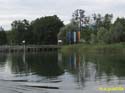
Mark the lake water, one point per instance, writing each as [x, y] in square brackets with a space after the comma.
[54, 72]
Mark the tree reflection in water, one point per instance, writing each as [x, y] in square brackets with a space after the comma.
[42, 64]
[95, 67]
[84, 69]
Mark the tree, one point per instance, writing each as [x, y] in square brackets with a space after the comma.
[117, 33]
[79, 17]
[98, 20]
[71, 27]
[45, 29]
[11, 37]
[101, 35]
[93, 39]
[122, 22]
[107, 21]
[22, 31]
[3, 37]
[86, 34]
[102, 21]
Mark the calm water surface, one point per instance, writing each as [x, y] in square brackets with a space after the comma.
[70, 73]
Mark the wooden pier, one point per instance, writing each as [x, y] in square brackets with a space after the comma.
[29, 48]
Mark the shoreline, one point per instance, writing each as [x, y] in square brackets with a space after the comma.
[94, 48]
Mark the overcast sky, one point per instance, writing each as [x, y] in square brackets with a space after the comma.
[11, 10]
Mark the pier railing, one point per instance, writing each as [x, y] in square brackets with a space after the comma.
[28, 48]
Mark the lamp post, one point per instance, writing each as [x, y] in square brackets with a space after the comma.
[24, 59]
[24, 44]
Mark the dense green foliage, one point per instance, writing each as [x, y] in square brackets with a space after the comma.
[70, 27]
[47, 30]
[43, 30]
[21, 31]
[3, 37]
[102, 30]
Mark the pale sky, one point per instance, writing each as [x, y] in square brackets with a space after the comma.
[11, 10]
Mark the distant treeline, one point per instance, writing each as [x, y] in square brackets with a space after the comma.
[46, 30]
[95, 28]
[43, 30]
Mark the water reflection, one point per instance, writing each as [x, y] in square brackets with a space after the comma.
[96, 68]
[30, 67]
[82, 70]
[2, 59]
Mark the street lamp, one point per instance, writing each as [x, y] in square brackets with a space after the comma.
[24, 59]
[24, 44]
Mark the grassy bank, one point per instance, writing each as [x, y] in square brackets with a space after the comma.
[119, 47]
